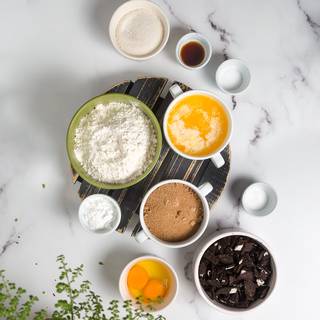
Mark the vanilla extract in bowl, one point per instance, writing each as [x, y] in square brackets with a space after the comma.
[192, 53]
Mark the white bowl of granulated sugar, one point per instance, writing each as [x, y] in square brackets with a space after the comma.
[139, 29]
[99, 213]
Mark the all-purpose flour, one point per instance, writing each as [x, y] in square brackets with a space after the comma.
[115, 143]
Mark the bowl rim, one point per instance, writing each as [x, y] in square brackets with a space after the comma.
[164, 19]
[124, 273]
[88, 106]
[212, 239]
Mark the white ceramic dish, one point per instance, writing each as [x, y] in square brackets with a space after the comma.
[201, 191]
[116, 221]
[170, 296]
[233, 76]
[178, 94]
[259, 199]
[198, 37]
[198, 255]
[128, 7]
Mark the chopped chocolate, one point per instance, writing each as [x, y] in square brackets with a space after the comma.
[236, 271]
[245, 275]
[262, 292]
[202, 268]
[250, 289]
[223, 291]
[226, 259]
[234, 299]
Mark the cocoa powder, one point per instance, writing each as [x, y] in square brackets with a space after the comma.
[173, 212]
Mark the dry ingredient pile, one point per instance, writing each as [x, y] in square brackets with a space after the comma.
[115, 143]
[99, 213]
[140, 32]
[173, 212]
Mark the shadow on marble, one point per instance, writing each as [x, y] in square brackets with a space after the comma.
[238, 186]
[99, 15]
[175, 34]
[210, 70]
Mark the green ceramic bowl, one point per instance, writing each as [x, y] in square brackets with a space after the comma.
[85, 109]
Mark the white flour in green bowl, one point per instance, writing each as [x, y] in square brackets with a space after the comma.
[115, 143]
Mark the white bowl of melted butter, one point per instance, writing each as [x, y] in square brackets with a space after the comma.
[139, 29]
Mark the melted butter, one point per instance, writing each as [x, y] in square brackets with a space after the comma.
[197, 125]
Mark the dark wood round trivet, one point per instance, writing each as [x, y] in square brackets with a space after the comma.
[154, 93]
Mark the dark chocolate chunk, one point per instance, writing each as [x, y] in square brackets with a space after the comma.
[245, 275]
[248, 247]
[223, 291]
[250, 289]
[210, 256]
[214, 283]
[234, 298]
[202, 268]
[262, 291]
[226, 259]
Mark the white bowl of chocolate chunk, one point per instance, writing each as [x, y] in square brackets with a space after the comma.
[235, 271]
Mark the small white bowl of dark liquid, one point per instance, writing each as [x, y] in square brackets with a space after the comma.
[259, 199]
[193, 51]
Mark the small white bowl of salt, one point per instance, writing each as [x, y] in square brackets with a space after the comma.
[99, 213]
[259, 199]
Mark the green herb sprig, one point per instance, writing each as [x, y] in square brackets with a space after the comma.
[76, 300]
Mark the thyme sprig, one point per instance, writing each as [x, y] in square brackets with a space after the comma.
[76, 300]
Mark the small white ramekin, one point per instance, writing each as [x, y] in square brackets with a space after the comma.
[233, 76]
[170, 296]
[128, 7]
[198, 37]
[199, 254]
[100, 231]
[271, 199]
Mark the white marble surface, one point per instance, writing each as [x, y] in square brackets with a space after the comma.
[54, 55]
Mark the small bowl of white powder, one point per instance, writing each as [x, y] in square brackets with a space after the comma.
[99, 213]
[259, 199]
[139, 29]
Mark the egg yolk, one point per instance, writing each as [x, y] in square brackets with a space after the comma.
[154, 289]
[137, 277]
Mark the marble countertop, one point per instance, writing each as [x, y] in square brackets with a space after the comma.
[54, 55]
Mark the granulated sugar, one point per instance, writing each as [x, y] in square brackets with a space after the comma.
[115, 143]
[140, 32]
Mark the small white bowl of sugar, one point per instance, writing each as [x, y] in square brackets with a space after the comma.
[99, 213]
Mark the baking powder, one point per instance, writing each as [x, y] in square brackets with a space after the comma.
[99, 213]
